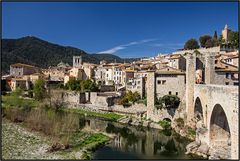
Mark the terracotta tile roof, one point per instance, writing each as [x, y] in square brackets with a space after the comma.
[222, 66]
[22, 65]
[177, 56]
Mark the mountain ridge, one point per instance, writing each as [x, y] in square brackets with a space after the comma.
[35, 51]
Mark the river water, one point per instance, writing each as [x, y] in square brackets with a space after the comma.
[130, 142]
[133, 142]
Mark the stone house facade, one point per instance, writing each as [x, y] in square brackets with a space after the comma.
[137, 85]
[19, 70]
[170, 83]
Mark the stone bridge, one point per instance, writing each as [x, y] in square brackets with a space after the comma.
[217, 107]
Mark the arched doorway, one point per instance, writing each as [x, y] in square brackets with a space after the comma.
[220, 136]
[198, 110]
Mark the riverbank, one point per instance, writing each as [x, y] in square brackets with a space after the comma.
[20, 143]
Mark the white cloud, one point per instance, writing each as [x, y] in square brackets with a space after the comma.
[121, 47]
[112, 50]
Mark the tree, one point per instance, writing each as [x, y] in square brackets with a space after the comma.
[211, 43]
[215, 35]
[234, 39]
[203, 39]
[220, 40]
[39, 89]
[191, 44]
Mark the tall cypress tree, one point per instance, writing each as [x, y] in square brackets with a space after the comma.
[215, 35]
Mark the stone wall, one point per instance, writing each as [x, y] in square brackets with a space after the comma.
[107, 88]
[99, 100]
[73, 97]
[220, 78]
[201, 50]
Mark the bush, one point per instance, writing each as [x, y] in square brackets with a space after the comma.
[130, 97]
[82, 85]
[180, 122]
[39, 89]
[171, 101]
[191, 132]
[165, 124]
[167, 101]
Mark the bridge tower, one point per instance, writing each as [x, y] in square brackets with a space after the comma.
[209, 67]
[150, 93]
[190, 81]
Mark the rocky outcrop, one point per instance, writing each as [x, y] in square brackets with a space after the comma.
[198, 148]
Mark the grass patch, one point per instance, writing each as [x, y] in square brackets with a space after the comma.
[15, 101]
[191, 132]
[90, 141]
[107, 116]
[165, 124]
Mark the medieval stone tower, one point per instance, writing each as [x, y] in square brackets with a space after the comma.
[225, 33]
[150, 93]
[77, 61]
[190, 81]
[207, 63]
[209, 68]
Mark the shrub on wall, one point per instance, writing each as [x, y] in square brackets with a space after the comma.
[167, 101]
[130, 97]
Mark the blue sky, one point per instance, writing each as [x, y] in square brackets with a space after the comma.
[126, 29]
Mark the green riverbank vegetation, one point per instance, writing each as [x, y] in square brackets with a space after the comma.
[61, 125]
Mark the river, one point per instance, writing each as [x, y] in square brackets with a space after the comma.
[133, 142]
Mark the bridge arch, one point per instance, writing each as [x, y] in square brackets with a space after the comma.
[198, 109]
[220, 135]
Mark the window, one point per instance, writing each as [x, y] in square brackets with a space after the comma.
[138, 82]
[227, 74]
[176, 93]
[169, 92]
[164, 81]
[159, 82]
[227, 83]
[235, 83]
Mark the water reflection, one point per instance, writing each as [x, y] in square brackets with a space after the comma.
[147, 143]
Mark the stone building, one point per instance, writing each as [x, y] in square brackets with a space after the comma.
[177, 61]
[88, 69]
[170, 83]
[57, 72]
[137, 85]
[19, 69]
